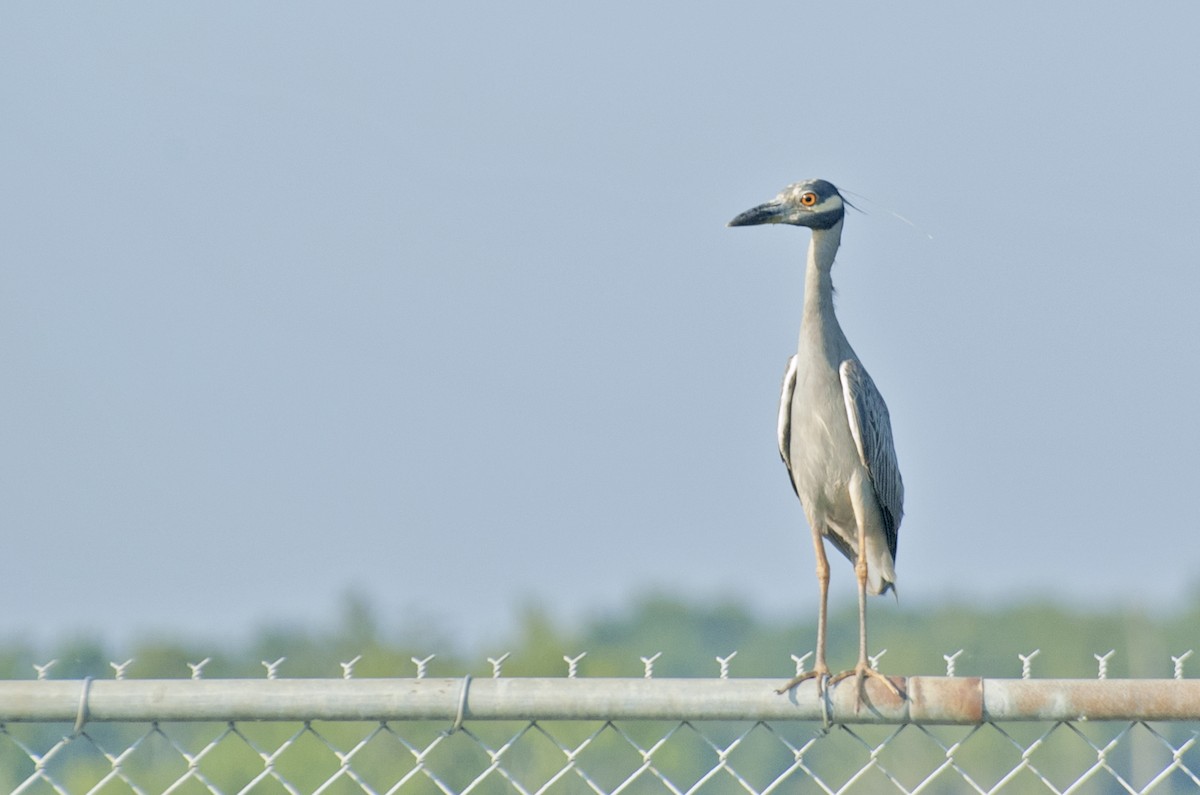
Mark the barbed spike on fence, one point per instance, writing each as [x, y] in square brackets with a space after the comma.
[348, 667]
[573, 664]
[1102, 661]
[1026, 660]
[119, 668]
[198, 668]
[273, 667]
[724, 663]
[422, 665]
[649, 663]
[800, 662]
[42, 670]
[950, 660]
[875, 660]
[497, 662]
[1179, 661]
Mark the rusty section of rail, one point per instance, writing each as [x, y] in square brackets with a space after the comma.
[928, 700]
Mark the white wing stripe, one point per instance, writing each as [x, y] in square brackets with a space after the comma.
[855, 421]
[785, 411]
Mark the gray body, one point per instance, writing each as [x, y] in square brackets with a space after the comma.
[817, 440]
[835, 435]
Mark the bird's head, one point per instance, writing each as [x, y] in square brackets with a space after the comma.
[814, 203]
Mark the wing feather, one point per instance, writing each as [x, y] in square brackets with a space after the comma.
[871, 427]
[785, 418]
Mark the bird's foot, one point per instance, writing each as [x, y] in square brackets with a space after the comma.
[861, 673]
[819, 672]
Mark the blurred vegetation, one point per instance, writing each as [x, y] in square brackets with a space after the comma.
[689, 635]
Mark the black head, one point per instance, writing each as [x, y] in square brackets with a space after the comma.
[814, 203]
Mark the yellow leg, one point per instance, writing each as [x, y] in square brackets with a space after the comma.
[820, 670]
[863, 669]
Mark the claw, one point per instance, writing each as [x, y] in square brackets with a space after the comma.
[821, 674]
[860, 673]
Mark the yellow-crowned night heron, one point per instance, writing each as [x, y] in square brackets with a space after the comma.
[834, 432]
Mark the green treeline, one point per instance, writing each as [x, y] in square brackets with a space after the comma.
[689, 636]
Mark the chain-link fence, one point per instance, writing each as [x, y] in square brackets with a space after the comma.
[573, 734]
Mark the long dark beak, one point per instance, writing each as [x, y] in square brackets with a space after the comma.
[769, 213]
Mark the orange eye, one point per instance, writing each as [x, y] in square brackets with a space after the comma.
[808, 199]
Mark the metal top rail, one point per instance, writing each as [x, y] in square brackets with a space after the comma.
[929, 700]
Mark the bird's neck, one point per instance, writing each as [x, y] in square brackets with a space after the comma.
[818, 281]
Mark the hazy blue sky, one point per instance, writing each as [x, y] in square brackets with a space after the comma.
[436, 302]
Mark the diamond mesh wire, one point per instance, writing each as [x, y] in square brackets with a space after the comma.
[599, 757]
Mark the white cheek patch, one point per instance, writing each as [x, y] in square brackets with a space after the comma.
[829, 205]
[792, 196]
